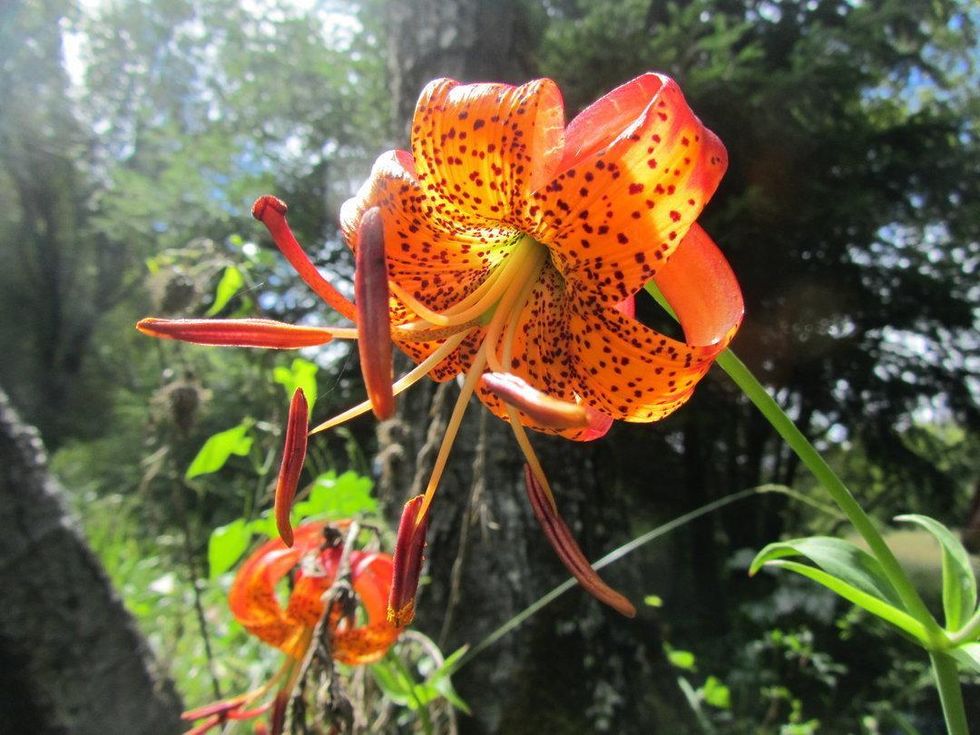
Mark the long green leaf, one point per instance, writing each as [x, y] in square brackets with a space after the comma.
[862, 599]
[959, 584]
[840, 559]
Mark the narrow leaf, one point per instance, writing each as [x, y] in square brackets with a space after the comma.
[862, 599]
[840, 559]
[959, 584]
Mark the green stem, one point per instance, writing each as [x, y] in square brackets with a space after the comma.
[943, 666]
[948, 683]
[756, 393]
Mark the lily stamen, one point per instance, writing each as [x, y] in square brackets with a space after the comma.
[568, 551]
[271, 211]
[474, 304]
[409, 545]
[406, 381]
[373, 318]
[293, 458]
[452, 428]
[242, 332]
[540, 407]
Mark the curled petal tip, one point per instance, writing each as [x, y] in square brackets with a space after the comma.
[407, 563]
[263, 202]
[561, 540]
[293, 457]
[373, 316]
[542, 408]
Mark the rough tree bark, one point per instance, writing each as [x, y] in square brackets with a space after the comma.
[71, 659]
[576, 667]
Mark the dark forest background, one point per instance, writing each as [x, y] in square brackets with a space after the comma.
[134, 137]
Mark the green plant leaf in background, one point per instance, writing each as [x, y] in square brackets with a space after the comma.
[440, 679]
[337, 497]
[715, 693]
[840, 559]
[300, 374]
[229, 285]
[681, 659]
[959, 584]
[218, 448]
[226, 545]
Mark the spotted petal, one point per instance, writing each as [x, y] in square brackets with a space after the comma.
[479, 148]
[638, 168]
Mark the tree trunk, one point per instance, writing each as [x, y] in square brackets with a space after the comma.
[71, 659]
[576, 666]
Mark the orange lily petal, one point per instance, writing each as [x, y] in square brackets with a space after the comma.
[363, 645]
[293, 458]
[561, 540]
[709, 316]
[620, 206]
[627, 370]
[305, 606]
[374, 322]
[235, 332]
[409, 546]
[252, 597]
[479, 148]
[271, 212]
[373, 574]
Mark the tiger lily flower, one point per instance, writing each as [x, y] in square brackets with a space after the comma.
[313, 561]
[513, 248]
[525, 241]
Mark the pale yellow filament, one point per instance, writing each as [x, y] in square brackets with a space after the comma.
[341, 332]
[401, 384]
[452, 428]
[509, 309]
[515, 420]
[509, 312]
[474, 304]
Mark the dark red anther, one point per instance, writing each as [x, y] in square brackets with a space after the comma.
[561, 540]
[235, 332]
[293, 457]
[408, 563]
[373, 317]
